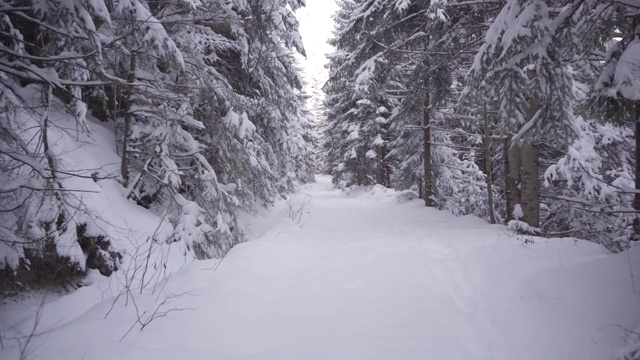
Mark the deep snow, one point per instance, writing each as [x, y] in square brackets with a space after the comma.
[364, 274]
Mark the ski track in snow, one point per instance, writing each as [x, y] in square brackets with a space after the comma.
[363, 276]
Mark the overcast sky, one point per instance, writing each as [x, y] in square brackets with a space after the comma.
[316, 26]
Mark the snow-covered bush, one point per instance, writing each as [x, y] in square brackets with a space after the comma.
[590, 186]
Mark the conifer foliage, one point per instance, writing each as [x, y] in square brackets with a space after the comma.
[204, 96]
[521, 112]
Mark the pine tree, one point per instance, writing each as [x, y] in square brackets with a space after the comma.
[206, 98]
[521, 64]
[49, 51]
[585, 184]
[389, 63]
[359, 131]
[615, 95]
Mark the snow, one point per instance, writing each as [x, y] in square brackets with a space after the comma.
[402, 5]
[378, 141]
[518, 213]
[101, 204]
[364, 274]
[632, 3]
[627, 72]
[245, 127]
[153, 35]
[364, 76]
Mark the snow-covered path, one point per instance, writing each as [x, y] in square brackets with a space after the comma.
[358, 280]
[367, 276]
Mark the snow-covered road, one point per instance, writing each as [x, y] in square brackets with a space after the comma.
[355, 280]
[366, 275]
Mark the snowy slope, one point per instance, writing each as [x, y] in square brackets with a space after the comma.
[101, 204]
[361, 275]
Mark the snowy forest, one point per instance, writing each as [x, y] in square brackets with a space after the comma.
[441, 195]
[520, 112]
[204, 104]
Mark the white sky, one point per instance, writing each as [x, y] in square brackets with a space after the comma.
[316, 26]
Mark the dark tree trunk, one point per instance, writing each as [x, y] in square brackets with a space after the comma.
[487, 168]
[507, 189]
[513, 178]
[426, 126]
[523, 186]
[384, 170]
[128, 119]
[51, 163]
[530, 184]
[636, 196]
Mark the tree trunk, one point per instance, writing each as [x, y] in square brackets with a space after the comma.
[636, 196]
[426, 131]
[513, 178]
[523, 186]
[507, 191]
[487, 168]
[55, 182]
[426, 128]
[530, 184]
[128, 119]
[384, 170]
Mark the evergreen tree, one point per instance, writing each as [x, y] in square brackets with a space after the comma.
[206, 99]
[585, 186]
[49, 51]
[521, 64]
[403, 60]
[359, 134]
[615, 95]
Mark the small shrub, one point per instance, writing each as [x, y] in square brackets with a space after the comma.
[41, 268]
[97, 250]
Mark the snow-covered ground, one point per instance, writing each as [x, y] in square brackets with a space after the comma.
[359, 275]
